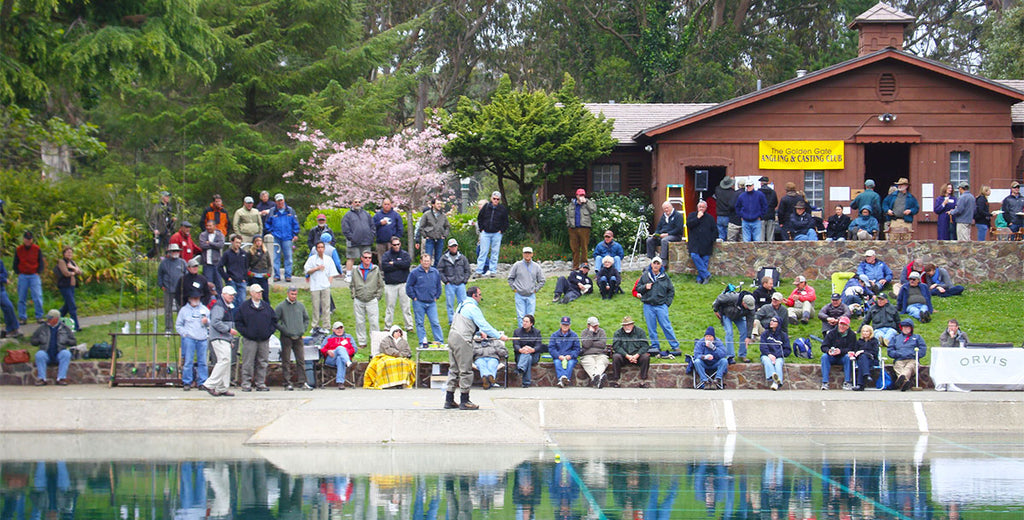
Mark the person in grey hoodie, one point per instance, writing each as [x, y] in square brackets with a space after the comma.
[963, 213]
[292, 320]
[222, 336]
[526, 279]
[357, 226]
[191, 325]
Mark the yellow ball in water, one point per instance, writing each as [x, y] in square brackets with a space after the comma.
[558, 458]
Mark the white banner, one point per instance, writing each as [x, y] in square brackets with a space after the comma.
[988, 366]
[978, 481]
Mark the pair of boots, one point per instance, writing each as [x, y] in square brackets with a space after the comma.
[464, 404]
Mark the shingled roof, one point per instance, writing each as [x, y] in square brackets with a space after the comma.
[631, 118]
[882, 13]
[1016, 111]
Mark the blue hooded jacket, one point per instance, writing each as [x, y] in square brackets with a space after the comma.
[902, 346]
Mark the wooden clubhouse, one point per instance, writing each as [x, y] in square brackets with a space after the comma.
[883, 115]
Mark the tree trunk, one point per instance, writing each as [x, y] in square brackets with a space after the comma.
[421, 104]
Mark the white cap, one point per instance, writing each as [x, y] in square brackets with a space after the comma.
[799, 279]
[247, 200]
[527, 249]
[255, 288]
[869, 252]
[279, 196]
[656, 260]
[228, 290]
[913, 275]
[592, 321]
[495, 194]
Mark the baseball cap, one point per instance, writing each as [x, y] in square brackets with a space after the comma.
[869, 252]
[248, 200]
[337, 325]
[321, 217]
[28, 235]
[194, 262]
[592, 321]
[777, 296]
[584, 265]
[527, 249]
[228, 290]
[165, 193]
[1015, 184]
[913, 275]
[845, 320]
[836, 296]
[763, 179]
[656, 260]
[864, 278]
[452, 242]
[495, 194]
[186, 224]
[255, 288]
[279, 196]
[53, 313]
[799, 279]
[581, 191]
[750, 182]
[566, 320]
[869, 183]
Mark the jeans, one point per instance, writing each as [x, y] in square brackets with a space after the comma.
[10, 317]
[982, 232]
[723, 228]
[240, 286]
[826, 364]
[525, 366]
[565, 371]
[720, 368]
[284, 255]
[43, 359]
[453, 296]
[701, 263]
[740, 346]
[772, 369]
[26, 283]
[616, 261]
[490, 246]
[655, 315]
[213, 274]
[886, 333]
[809, 235]
[70, 308]
[915, 310]
[340, 354]
[434, 247]
[488, 366]
[863, 364]
[430, 310]
[194, 348]
[953, 290]
[752, 231]
[525, 305]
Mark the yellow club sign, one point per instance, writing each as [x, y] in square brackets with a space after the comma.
[800, 155]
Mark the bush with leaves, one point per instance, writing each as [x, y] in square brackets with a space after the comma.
[617, 212]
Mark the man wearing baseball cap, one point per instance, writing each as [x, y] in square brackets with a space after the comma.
[751, 204]
[1013, 206]
[578, 217]
[835, 348]
[879, 274]
[526, 280]
[831, 312]
[455, 272]
[316, 233]
[247, 221]
[184, 240]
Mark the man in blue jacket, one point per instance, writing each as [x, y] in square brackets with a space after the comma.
[751, 205]
[877, 271]
[387, 223]
[564, 347]
[283, 224]
[900, 207]
[609, 247]
[905, 350]
[424, 288]
[709, 354]
[915, 299]
[11, 324]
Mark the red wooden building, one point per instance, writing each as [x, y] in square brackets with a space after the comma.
[889, 113]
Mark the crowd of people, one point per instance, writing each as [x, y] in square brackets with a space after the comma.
[240, 255]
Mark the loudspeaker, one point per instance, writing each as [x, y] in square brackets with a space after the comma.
[700, 180]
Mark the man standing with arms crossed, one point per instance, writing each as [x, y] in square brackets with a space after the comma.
[255, 322]
[469, 320]
[578, 218]
[526, 280]
[292, 320]
[493, 221]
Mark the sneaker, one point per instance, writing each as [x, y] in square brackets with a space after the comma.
[556, 298]
[562, 381]
[900, 381]
[907, 385]
[775, 386]
[744, 360]
[644, 384]
[262, 389]
[40, 382]
[341, 386]
[289, 387]
[247, 389]
[62, 382]
[348, 277]
[186, 388]
[858, 388]
[305, 386]
[824, 386]
[926, 317]
[666, 355]
[226, 393]
[468, 405]
[593, 381]
[777, 379]
[847, 385]
[527, 385]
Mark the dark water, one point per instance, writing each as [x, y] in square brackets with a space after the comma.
[582, 476]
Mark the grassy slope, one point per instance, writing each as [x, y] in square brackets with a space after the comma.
[985, 311]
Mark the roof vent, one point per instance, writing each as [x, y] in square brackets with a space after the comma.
[887, 86]
[801, 73]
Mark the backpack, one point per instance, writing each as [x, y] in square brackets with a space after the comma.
[102, 350]
[802, 348]
[884, 381]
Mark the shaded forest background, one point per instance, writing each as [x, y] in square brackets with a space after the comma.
[104, 103]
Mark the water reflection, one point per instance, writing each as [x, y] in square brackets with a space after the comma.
[744, 478]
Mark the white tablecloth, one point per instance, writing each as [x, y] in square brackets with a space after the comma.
[996, 368]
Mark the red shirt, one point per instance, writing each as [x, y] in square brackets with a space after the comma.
[28, 259]
[334, 342]
[188, 247]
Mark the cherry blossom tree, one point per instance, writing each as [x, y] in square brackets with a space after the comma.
[408, 167]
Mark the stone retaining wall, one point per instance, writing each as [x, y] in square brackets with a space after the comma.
[967, 262]
[662, 375]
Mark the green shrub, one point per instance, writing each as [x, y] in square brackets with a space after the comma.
[620, 213]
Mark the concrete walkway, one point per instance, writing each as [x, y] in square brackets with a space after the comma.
[517, 417]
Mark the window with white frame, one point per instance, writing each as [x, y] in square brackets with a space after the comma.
[959, 168]
[607, 178]
[814, 187]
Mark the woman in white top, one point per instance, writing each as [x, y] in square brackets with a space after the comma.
[320, 270]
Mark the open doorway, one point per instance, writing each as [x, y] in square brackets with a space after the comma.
[886, 163]
[704, 179]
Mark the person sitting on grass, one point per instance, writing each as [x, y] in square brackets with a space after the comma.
[488, 356]
[609, 279]
[939, 282]
[835, 348]
[906, 350]
[884, 317]
[879, 274]
[775, 348]
[857, 291]
[830, 314]
[709, 354]
[338, 350]
[564, 346]
[578, 283]
[801, 301]
[915, 299]
[630, 347]
[865, 356]
[594, 352]
[393, 366]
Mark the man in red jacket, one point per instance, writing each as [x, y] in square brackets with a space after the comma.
[184, 240]
[28, 264]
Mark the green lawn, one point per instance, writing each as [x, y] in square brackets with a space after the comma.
[984, 311]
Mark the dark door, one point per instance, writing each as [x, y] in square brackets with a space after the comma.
[885, 163]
